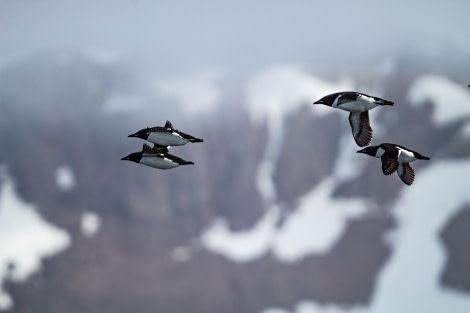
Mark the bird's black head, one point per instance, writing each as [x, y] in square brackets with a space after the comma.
[143, 133]
[327, 100]
[134, 157]
[371, 150]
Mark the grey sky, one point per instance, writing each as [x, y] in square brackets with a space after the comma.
[217, 33]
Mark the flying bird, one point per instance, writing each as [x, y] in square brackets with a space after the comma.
[165, 135]
[359, 105]
[157, 157]
[395, 158]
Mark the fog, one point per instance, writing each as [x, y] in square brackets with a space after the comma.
[278, 214]
[187, 35]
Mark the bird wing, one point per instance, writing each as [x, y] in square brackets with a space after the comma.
[390, 161]
[160, 149]
[158, 129]
[361, 130]
[168, 125]
[176, 159]
[168, 128]
[346, 97]
[156, 149]
[406, 173]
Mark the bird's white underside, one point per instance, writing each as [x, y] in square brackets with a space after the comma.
[157, 161]
[167, 139]
[363, 103]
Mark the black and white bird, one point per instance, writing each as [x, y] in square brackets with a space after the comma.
[165, 135]
[156, 157]
[395, 158]
[358, 104]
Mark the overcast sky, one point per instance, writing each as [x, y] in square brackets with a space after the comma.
[238, 33]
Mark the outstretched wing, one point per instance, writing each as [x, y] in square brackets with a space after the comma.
[390, 161]
[360, 126]
[406, 173]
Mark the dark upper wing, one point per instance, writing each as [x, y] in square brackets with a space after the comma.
[162, 152]
[156, 149]
[406, 173]
[159, 148]
[361, 130]
[168, 125]
[390, 161]
[167, 128]
[158, 129]
[347, 96]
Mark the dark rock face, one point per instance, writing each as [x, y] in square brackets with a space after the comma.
[146, 213]
[456, 274]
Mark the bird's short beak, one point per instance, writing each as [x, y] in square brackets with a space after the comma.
[133, 135]
[318, 102]
[125, 158]
[360, 151]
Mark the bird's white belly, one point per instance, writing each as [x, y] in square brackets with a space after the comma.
[167, 139]
[405, 156]
[157, 162]
[360, 105]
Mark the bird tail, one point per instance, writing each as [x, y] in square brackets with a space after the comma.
[386, 102]
[419, 156]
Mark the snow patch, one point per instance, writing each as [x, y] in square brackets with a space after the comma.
[272, 95]
[451, 99]
[25, 238]
[316, 224]
[312, 307]
[309, 230]
[196, 94]
[422, 212]
[243, 246]
[90, 224]
[181, 254]
[285, 88]
[64, 178]
[410, 281]
[348, 165]
[264, 178]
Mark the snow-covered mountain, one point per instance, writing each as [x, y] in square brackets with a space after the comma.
[279, 214]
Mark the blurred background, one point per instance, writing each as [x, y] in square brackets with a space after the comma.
[278, 214]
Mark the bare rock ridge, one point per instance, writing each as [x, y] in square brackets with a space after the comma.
[128, 266]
